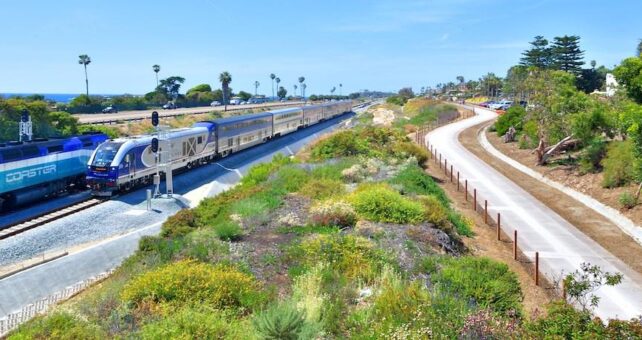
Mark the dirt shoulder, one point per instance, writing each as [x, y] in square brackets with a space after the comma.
[585, 219]
[485, 243]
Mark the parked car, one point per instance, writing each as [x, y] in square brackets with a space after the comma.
[486, 103]
[110, 109]
[215, 103]
[169, 106]
[501, 105]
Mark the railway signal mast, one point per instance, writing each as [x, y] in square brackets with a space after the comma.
[161, 146]
[26, 132]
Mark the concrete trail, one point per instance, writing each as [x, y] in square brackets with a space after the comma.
[562, 247]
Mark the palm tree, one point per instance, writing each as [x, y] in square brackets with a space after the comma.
[85, 60]
[225, 78]
[156, 69]
[277, 80]
[303, 87]
[340, 89]
[334, 88]
[301, 80]
[256, 86]
[295, 87]
[272, 76]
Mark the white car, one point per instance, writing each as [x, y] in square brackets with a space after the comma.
[504, 104]
[215, 103]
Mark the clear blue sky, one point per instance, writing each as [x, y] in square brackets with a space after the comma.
[375, 44]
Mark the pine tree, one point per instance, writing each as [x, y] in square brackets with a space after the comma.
[539, 55]
[566, 54]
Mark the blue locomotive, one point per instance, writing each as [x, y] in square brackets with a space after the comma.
[124, 163]
[30, 171]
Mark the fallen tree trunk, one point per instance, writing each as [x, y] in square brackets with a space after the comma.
[544, 153]
[510, 135]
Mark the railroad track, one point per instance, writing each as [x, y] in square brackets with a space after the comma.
[36, 221]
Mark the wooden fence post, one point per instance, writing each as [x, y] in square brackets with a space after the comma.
[515, 244]
[537, 268]
[499, 227]
[466, 190]
[451, 173]
[446, 166]
[486, 211]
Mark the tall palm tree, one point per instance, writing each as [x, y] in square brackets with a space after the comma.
[156, 69]
[256, 86]
[225, 78]
[334, 88]
[85, 60]
[277, 80]
[340, 89]
[301, 80]
[303, 87]
[272, 76]
[295, 87]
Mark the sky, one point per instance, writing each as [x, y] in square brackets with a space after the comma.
[362, 44]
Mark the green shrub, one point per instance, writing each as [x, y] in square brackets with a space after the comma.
[341, 144]
[166, 248]
[462, 223]
[190, 283]
[181, 223]
[261, 172]
[332, 171]
[291, 178]
[333, 213]
[58, 325]
[627, 200]
[190, 323]
[618, 164]
[513, 117]
[353, 256]
[228, 231]
[205, 245]
[436, 213]
[414, 179]
[592, 156]
[380, 203]
[396, 100]
[563, 321]
[405, 149]
[322, 188]
[280, 322]
[491, 284]
[370, 142]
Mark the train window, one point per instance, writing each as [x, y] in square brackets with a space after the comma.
[30, 151]
[88, 143]
[199, 140]
[54, 148]
[10, 155]
[230, 142]
[127, 158]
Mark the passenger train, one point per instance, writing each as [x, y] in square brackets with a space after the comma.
[37, 169]
[124, 163]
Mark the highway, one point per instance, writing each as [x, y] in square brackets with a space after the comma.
[562, 248]
[93, 118]
[114, 228]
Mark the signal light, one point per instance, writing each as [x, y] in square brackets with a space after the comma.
[25, 116]
[154, 145]
[155, 118]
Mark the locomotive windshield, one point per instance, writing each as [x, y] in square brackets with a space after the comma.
[105, 153]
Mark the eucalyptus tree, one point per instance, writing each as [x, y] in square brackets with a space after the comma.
[272, 76]
[156, 69]
[225, 78]
[256, 87]
[85, 60]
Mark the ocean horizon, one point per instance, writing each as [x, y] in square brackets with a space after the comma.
[55, 97]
